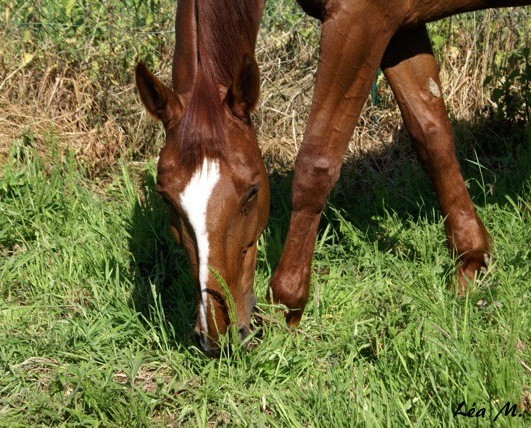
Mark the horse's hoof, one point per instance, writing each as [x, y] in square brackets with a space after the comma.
[469, 270]
[293, 317]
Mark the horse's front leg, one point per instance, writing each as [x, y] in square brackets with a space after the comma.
[410, 68]
[353, 40]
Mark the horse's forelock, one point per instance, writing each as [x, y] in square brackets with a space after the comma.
[226, 34]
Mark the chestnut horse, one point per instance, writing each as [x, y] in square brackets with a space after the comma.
[211, 172]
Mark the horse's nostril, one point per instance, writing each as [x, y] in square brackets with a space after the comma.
[198, 339]
[209, 348]
[243, 332]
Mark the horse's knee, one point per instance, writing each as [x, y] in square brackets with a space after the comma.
[317, 170]
[315, 176]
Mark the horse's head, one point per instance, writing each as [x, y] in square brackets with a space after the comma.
[211, 174]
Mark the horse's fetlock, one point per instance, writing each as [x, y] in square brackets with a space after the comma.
[291, 297]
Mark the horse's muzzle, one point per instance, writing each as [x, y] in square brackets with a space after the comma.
[210, 347]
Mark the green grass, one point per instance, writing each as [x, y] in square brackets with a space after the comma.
[96, 309]
[96, 302]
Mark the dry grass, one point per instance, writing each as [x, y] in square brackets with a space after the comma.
[469, 49]
[289, 61]
[97, 123]
[45, 98]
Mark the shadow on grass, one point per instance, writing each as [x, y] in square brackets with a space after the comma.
[495, 162]
[164, 294]
[495, 159]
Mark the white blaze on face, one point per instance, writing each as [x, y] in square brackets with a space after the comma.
[194, 201]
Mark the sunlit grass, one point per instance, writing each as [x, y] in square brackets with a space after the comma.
[97, 311]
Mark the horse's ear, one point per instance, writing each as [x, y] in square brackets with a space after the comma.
[245, 89]
[160, 101]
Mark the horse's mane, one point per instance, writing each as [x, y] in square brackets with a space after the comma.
[226, 34]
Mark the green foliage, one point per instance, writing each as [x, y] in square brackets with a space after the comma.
[108, 37]
[512, 106]
[500, 45]
[289, 11]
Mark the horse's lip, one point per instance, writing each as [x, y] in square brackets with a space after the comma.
[209, 348]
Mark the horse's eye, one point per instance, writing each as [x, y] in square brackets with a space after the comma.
[251, 194]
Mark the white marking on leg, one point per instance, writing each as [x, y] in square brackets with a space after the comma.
[194, 201]
[434, 88]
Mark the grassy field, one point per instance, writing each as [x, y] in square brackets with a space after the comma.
[96, 305]
[96, 310]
